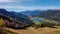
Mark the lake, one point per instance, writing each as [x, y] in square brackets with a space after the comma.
[37, 19]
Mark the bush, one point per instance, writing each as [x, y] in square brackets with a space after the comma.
[36, 25]
[51, 24]
[58, 24]
[44, 24]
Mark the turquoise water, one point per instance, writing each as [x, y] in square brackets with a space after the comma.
[37, 19]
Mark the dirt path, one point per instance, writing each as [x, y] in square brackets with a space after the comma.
[31, 30]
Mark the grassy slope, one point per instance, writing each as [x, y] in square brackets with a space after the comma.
[31, 30]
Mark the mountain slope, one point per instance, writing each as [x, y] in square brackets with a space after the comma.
[30, 13]
[20, 18]
[48, 14]
[51, 14]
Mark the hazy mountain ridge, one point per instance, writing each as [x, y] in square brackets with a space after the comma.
[48, 14]
[30, 13]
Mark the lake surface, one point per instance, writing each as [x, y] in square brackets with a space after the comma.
[37, 19]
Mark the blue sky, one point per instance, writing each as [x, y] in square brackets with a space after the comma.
[22, 5]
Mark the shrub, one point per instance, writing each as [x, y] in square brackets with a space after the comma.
[36, 24]
[58, 24]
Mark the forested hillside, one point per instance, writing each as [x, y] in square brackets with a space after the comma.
[15, 19]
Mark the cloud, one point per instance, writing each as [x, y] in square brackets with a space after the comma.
[7, 1]
[26, 0]
[24, 8]
[22, 5]
[15, 0]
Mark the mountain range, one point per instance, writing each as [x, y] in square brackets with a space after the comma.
[22, 19]
[30, 13]
[23, 16]
[48, 14]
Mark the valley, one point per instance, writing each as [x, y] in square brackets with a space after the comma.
[41, 22]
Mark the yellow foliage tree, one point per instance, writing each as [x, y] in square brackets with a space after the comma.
[1, 22]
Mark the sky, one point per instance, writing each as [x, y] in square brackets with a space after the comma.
[23, 5]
